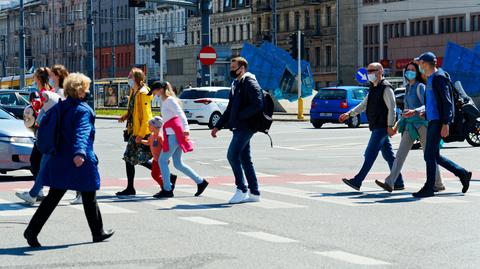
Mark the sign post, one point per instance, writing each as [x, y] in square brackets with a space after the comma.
[208, 56]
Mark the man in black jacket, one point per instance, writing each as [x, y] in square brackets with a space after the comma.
[245, 103]
[439, 110]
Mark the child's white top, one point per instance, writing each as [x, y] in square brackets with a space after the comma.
[170, 109]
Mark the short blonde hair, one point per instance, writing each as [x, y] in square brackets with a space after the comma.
[76, 83]
[241, 61]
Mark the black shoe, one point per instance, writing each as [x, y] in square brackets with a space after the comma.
[31, 239]
[105, 235]
[350, 183]
[466, 182]
[423, 193]
[384, 186]
[399, 188]
[201, 187]
[164, 194]
[173, 180]
[126, 192]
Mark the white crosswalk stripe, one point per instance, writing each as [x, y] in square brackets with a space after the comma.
[10, 209]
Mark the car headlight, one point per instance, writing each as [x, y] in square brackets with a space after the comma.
[18, 140]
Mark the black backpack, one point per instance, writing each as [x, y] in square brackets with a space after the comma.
[263, 121]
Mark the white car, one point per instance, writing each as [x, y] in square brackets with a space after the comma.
[16, 143]
[205, 105]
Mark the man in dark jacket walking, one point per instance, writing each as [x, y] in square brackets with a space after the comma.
[439, 110]
[245, 103]
[380, 107]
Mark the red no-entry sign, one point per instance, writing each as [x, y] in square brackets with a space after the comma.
[208, 55]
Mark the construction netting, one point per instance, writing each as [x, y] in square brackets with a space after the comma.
[463, 65]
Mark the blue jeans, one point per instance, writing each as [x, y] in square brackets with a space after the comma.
[239, 157]
[432, 156]
[379, 141]
[38, 184]
[175, 152]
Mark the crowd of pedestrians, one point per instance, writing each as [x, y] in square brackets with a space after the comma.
[154, 142]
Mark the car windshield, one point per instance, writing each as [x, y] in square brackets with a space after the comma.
[5, 116]
[331, 94]
[24, 97]
[196, 94]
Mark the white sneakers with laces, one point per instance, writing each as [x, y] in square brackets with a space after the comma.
[25, 196]
[77, 201]
[243, 197]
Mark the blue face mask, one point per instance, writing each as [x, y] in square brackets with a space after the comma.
[410, 75]
[421, 69]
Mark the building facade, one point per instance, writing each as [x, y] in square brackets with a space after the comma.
[315, 18]
[114, 32]
[395, 31]
[151, 22]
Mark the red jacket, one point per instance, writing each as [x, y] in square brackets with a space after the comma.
[183, 141]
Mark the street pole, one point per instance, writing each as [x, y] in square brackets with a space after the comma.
[205, 13]
[274, 22]
[4, 56]
[299, 75]
[114, 38]
[22, 45]
[337, 11]
[90, 53]
[161, 56]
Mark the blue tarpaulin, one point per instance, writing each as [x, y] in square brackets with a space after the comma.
[463, 65]
[276, 71]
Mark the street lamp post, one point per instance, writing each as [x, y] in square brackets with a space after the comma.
[22, 45]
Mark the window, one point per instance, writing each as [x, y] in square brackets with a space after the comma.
[287, 22]
[328, 56]
[331, 94]
[359, 94]
[317, 21]
[227, 34]
[370, 42]
[259, 26]
[317, 56]
[297, 21]
[307, 19]
[329, 16]
[452, 24]
[475, 22]
[370, 2]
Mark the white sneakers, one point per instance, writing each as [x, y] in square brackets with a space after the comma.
[77, 201]
[25, 196]
[243, 197]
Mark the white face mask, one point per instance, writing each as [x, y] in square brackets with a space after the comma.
[372, 77]
[131, 82]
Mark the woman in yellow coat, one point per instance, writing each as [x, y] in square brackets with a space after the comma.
[137, 117]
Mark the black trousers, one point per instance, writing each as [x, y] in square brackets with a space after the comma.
[50, 202]
[35, 159]
[131, 172]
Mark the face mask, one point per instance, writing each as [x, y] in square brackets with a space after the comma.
[410, 75]
[233, 73]
[131, 82]
[51, 82]
[421, 69]
[372, 77]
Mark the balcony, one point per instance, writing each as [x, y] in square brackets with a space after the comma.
[164, 7]
[148, 9]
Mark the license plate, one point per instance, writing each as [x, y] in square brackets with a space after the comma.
[325, 114]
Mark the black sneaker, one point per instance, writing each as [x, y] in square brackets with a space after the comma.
[126, 192]
[423, 193]
[399, 188]
[105, 235]
[173, 180]
[350, 183]
[466, 182]
[31, 238]
[164, 194]
[201, 187]
[384, 186]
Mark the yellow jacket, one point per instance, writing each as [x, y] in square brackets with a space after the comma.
[142, 112]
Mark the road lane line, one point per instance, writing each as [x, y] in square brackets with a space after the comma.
[15, 209]
[307, 195]
[351, 258]
[204, 221]
[268, 237]
[106, 209]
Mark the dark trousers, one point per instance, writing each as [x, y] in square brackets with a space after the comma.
[379, 141]
[432, 156]
[131, 172]
[50, 202]
[35, 159]
[239, 157]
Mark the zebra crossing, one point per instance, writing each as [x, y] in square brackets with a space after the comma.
[292, 195]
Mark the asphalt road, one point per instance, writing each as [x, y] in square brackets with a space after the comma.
[307, 218]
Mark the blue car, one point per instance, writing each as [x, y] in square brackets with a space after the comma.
[330, 103]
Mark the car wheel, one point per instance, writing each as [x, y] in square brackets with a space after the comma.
[214, 119]
[317, 124]
[354, 122]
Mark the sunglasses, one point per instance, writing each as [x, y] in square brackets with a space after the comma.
[372, 70]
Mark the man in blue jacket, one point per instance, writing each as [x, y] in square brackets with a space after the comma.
[439, 110]
[245, 103]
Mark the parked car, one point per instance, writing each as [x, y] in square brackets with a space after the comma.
[330, 103]
[16, 143]
[14, 101]
[205, 105]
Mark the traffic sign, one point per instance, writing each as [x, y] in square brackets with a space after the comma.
[362, 75]
[208, 55]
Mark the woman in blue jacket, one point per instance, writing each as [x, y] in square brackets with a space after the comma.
[74, 165]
